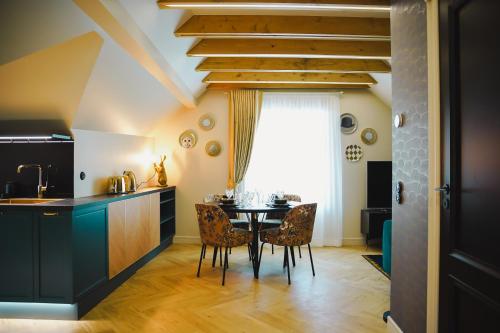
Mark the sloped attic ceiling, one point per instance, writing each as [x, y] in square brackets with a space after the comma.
[119, 96]
[160, 25]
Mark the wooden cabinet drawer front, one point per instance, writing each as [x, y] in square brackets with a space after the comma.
[117, 256]
[134, 230]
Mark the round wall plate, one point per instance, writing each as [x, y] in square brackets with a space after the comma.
[369, 136]
[213, 148]
[348, 123]
[353, 153]
[188, 139]
[206, 122]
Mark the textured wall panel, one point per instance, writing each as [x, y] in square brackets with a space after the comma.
[410, 158]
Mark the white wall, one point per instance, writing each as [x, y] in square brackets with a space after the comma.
[370, 112]
[57, 63]
[196, 174]
[101, 155]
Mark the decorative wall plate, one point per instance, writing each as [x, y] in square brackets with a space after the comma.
[369, 136]
[348, 123]
[206, 122]
[188, 139]
[353, 153]
[213, 148]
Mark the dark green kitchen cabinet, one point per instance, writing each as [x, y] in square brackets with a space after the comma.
[90, 249]
[52, 255]
[17, 263]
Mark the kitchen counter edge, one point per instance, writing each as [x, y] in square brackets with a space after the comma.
[78, 203]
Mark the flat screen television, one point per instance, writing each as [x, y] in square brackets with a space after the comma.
[379, 184]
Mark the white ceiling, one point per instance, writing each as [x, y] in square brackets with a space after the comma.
[160, 25]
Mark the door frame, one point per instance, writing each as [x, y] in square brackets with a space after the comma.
[434, 172]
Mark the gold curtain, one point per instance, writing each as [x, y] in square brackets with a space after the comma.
[244, 111]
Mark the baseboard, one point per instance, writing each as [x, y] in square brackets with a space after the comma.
[353, 241]
[187, 239]
[392, 327]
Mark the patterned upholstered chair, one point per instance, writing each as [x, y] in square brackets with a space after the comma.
[296, 229]
[216, 230]
[274, 219]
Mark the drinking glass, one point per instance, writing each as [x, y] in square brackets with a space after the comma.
[229, 193]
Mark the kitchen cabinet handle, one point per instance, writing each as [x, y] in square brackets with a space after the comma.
[50, 213]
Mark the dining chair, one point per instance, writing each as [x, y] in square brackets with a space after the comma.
[274, 219]
[216, 230]
[296, 229]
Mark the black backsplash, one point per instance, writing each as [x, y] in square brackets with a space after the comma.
[60, 174]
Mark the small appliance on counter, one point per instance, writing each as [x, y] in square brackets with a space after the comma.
[117, 185]
[131, 184]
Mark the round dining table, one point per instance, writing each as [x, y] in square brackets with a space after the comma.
[254, 211]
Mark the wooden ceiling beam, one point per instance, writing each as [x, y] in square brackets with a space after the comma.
[362, 5]
[293, 65]
[292, 48]
[255, 26]
[304, 78]
[234, 86]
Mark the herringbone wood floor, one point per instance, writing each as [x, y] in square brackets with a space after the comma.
[347, 295]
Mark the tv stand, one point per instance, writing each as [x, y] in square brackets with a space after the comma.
[372, 222]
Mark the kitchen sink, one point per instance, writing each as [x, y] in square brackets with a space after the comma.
[28, 201]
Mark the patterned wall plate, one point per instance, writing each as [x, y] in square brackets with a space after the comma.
[188, 139]
[353, 153]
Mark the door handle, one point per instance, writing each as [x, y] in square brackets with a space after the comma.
[444, 189]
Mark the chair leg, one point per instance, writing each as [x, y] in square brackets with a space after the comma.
[287, 264]
[204, 251]
[272, 248]
[292, 253]
[260, 255]
[225, 267]
[230, 250]
[214, 259]
[284, 259]
[311, 256]
[203, 248]
[249, 253]
[220, 256]
[300, 252]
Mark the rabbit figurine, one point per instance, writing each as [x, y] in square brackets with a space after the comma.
[160, 170]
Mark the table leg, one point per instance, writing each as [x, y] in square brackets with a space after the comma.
[255, 244]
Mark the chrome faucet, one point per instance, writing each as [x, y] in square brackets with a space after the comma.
[40, 188]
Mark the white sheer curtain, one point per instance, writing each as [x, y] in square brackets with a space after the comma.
[297, 150]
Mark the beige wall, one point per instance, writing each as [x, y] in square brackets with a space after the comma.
[101, 155]
[196, 174]
[370, 112]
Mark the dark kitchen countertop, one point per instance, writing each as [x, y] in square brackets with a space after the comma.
[69, 204]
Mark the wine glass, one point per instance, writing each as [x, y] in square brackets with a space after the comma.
[229, 193]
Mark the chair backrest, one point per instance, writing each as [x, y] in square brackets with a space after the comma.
[298, 224]
[281, 215]
[214, 224]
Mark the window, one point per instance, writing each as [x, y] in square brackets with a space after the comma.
[297, 150]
